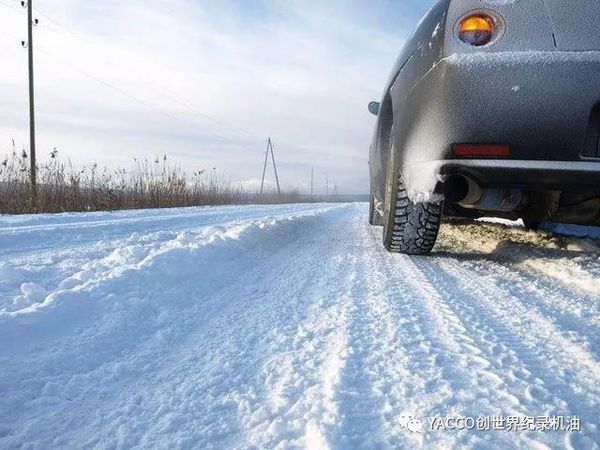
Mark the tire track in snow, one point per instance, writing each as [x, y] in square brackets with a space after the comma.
[446, 373]
[571, 263]
[306, 360]
[477, 383]
[511, 247]
[549, 363]
[425, 386]
[284, 299]
[574, 314]
[303, 333]
[362, 391]
[541, 329]
[391, 363]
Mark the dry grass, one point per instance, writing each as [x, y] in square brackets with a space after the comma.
[149, 184]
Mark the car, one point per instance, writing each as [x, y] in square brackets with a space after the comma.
[492, 109]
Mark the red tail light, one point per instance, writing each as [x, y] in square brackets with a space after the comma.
[481, 151]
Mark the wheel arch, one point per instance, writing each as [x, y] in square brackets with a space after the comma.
[385, 122]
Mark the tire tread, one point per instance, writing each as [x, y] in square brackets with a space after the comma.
[415, 226]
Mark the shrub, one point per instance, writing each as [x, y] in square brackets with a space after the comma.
[149, 184]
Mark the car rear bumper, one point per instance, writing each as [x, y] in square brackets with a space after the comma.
[538, 103]
[523, 174]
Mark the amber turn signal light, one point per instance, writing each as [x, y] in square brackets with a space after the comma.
[477, 30]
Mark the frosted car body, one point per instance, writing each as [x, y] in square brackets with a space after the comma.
[534, 90]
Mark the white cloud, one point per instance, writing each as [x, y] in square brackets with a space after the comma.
[301, 72]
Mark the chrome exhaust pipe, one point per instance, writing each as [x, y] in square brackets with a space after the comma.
[461, 189]
[469, 194]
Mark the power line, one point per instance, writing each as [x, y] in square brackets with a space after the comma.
[107, 84]
[56, 22]
[45, 25]
[172, 96]
[112, 87]
[122, 92]
[12, 7]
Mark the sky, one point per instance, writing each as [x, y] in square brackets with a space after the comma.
[205, 82]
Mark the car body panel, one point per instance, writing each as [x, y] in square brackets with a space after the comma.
[520, 91]
[526, 26]
[575, 23]
[421, 52]
[524, 174]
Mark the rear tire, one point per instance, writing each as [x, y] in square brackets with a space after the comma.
[408, 227]
[374, 216]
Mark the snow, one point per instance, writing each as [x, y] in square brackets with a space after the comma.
[500, 2]
[290, 326]
[493, 59]
[420, 184]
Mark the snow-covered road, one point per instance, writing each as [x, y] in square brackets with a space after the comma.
[289, 326]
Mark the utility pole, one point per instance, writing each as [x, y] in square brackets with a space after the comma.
[32, 160]
[312, 179]
[262, 183]
[275, 167]
[326, 189]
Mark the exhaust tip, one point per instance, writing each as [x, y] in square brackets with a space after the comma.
[456, 188]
